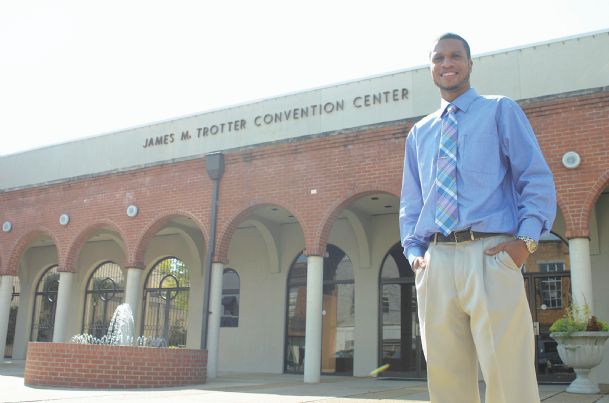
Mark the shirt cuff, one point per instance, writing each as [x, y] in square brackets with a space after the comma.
[530, 228]
[414, 252]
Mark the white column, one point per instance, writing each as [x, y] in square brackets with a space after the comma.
[133, 292]
[62, 310]
[6, 292]
[315, 277]
[581, 272]
[213, 324]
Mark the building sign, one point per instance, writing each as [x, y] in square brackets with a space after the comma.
[300, 112]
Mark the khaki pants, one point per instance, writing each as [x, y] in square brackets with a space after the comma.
[473, 307]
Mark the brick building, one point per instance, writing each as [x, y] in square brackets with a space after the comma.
[305, 210]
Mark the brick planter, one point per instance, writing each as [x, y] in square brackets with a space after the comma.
[112, 367]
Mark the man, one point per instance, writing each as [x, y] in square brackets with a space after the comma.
[476, 196]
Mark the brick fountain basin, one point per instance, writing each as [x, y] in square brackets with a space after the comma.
[94, 366]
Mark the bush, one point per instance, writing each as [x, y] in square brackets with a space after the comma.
[579, 319]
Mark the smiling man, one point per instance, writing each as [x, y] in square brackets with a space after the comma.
[476, 196]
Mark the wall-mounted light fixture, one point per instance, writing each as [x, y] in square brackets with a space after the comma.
[132, 210]
[7, 226]
[571, 160]
[64, 219]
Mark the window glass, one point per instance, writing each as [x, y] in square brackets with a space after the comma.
[230, 298]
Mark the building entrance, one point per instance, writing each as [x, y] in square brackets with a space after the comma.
[400, 340]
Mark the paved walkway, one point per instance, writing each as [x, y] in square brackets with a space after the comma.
[259, 388]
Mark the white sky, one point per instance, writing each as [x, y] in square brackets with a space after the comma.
[73, 69]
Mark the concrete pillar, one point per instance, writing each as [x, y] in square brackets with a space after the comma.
[62, 312]
[133, 292]
[315, 277]
[581, 272]
[6, 292]
[215, 314]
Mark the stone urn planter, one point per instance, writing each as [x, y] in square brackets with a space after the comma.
[581, 351]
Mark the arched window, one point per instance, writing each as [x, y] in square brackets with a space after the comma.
[230, 298]
[45, 303]
[12, 319]
[105, 292]
[165, 317]
[338, 314]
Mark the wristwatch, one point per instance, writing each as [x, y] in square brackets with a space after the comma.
[529, 242]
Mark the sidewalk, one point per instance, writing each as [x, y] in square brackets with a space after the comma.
[257, 388]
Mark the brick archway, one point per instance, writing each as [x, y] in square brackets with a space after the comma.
[24, 242]
[225, 234]
[317, 245]
[84, 235]
[135, 258]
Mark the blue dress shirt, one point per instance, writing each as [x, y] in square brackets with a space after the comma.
[503, 182]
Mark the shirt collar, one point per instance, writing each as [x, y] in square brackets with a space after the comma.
[462, 102]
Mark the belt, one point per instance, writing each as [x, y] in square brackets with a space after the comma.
[463, 236]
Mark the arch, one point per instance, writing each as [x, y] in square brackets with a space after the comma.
[566, 213]
[316, 245]
[85, 235]
[228, 229]
[135, 258]
[23, 243]
[582, 221]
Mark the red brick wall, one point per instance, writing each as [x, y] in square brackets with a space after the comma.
[112, 367]
[342, 167]
[581, 124]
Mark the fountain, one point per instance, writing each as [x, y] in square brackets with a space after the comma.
[116, 360]
[122, 327]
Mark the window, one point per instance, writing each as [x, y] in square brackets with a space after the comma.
[551, 267]
[230, 298]
[45, 303]
[551, 287]
[386, 304]
[165, 317]
[105, 292]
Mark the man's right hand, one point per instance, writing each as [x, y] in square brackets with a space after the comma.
[419, 263]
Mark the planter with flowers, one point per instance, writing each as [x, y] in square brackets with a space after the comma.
[581, 338]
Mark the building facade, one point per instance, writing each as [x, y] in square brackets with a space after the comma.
[307, 274]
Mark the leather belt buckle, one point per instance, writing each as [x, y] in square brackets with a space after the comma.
[464, 236]
[456, 236]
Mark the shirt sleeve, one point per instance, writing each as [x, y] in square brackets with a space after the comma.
[531, 176]
[411, 201]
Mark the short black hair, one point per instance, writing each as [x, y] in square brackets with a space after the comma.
[450, 35]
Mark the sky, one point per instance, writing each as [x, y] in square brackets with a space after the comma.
[76, 69]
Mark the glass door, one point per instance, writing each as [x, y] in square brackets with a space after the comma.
[547, 282]
[400, 340]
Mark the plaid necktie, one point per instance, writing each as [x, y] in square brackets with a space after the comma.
[447, 215]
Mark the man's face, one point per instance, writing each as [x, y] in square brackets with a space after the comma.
[450, 68]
